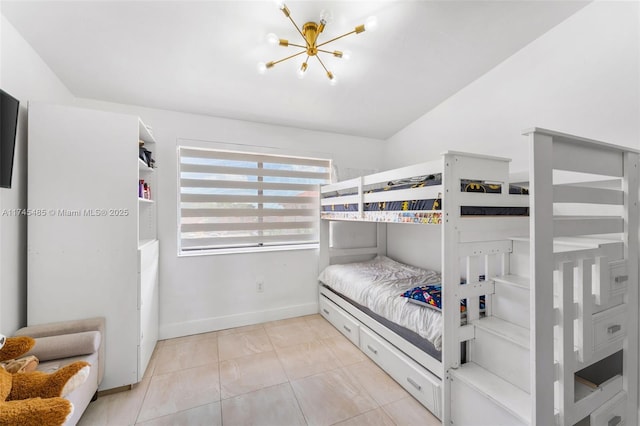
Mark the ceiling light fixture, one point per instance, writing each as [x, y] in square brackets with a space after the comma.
[310, 32]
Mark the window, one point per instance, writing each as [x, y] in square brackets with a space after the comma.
[239, 200]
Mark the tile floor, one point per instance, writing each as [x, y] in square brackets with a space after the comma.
[299, 371]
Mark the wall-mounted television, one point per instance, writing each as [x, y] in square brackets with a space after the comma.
[9, 107]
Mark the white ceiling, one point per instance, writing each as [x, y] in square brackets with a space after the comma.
[200, 56]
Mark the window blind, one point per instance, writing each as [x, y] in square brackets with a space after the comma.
[241, 200]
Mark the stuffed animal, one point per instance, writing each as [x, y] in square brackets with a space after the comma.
[36, 398]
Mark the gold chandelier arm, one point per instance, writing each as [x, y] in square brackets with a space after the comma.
[322, 63]
[298, 28]
[297, 45]
[337, 38]
[334, 53]
[272, 63]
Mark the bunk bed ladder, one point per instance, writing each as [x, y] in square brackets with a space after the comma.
[479, 386]
[583, 344]
[558, 341]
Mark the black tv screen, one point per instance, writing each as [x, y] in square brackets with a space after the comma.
[8, 123]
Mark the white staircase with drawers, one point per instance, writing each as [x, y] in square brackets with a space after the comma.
[558, 343]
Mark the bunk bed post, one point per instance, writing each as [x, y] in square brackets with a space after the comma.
[630, 186]
[541, 270]
[450, 279]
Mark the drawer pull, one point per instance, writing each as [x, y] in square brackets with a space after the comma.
[325, 311]
[413, 383]
[346, 328]
[614, 329]
[621, 278]
[614, 421]
[372, 349]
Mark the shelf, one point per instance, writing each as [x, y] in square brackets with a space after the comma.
[145, 201]
[143, 243]
[144, 133]
[142, 166]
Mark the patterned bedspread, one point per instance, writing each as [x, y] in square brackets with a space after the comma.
[378, 284]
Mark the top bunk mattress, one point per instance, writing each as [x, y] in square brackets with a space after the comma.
[430, 204]
[378, 285]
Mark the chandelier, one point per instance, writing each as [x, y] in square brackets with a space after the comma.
[310, 32]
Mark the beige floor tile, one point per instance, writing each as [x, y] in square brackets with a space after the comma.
[238, 330]
[274, 406]
[378, 383]
[286, 321]
[250, 373]
[242, 344]
[331, 397]
[345, 352]
[307, 359]
[180, 390]
[409, 412]
[191, 338]
[322, 328]
[375, 417]
[191, 353]
[249, 361]
[120, 408]
[153, 361]
[290, 334]
[204, 415]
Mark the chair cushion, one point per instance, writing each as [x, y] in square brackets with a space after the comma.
[66, 345]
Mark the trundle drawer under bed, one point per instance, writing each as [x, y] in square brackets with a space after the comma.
[341, 320]
[415, 379]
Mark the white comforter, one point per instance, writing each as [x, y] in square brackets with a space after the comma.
[378, 284]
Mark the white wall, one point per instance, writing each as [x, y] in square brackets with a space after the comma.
[25, 76]
[203, 293]
[581, 77]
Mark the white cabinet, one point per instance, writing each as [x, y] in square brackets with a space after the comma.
[92, 243]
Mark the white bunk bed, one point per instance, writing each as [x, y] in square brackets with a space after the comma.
[498, 366]
[421, 372]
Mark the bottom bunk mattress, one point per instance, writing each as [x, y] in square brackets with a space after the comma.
[379, 284]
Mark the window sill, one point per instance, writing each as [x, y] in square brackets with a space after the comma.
[248, 250]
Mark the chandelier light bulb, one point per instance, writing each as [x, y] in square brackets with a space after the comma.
[262, 67]
[332, 79]
[272, 39]
[326, 15]
[279, 3]
[371, 23]
[302, 70]
[346, 55]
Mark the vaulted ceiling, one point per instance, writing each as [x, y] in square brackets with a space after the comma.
[201, 56]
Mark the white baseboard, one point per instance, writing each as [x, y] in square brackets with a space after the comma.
[187, 328]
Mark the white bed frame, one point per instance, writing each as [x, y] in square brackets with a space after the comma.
[595, 313]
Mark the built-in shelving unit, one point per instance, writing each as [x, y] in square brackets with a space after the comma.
[95, 252]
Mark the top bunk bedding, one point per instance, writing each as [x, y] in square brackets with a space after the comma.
[379, 285]
[466, 185]
[409, 195]
[418, 199]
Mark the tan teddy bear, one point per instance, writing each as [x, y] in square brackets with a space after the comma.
[35, 398]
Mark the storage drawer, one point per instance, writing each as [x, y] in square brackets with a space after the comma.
[419, 382]
[618, 277]
[609, 326]
[341, 320]
[611, 413]
[610, 286]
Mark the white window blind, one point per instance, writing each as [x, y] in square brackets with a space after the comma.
[241, 200]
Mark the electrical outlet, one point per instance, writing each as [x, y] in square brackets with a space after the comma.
[260, 286]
